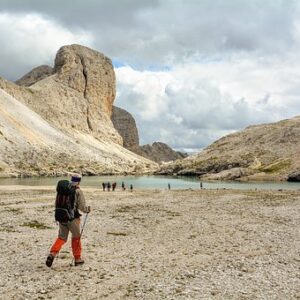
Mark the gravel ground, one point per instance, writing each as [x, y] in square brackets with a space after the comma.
[159, 244]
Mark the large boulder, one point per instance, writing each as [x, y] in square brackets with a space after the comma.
[231, 174]
[294, 176]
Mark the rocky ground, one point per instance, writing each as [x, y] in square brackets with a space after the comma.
[204, 244]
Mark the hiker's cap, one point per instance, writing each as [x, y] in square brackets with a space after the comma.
[76, 178]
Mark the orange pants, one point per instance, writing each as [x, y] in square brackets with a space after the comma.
[74, 227]
[76, 247]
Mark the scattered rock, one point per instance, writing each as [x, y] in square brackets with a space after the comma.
[295, 176]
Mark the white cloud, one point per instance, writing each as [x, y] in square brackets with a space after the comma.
[226, 64]
[193, 104]
[144, 92]
[31, 40]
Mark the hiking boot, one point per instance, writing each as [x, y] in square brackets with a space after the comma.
[79, 262]
[49, 260]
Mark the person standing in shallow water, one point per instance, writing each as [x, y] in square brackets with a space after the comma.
[73, 226]
[131, 188]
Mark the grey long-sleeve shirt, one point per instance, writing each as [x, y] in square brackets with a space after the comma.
[80, 201]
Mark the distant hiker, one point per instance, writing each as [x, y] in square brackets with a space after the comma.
[131, 188]
[123, 186]
[169, 186]
[114, 186]
[201, 185]
[69, 200]
[103, 186]
[108, 186]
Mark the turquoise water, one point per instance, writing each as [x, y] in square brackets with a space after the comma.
[153, 182]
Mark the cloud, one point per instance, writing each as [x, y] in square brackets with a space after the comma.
[163, 32]
[194, 104]
[31, 40]
[191, 71]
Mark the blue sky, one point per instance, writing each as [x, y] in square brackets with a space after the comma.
[189, 71]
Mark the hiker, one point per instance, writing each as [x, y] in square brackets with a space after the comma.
[103, 186]
[123, 186]
[131, 188]
[73, 224]
[114, 186]
[169, 186]
[108, 186]
[201, 185]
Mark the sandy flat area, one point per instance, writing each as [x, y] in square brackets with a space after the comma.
[159, 244]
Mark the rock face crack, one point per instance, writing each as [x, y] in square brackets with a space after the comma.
[84, 72]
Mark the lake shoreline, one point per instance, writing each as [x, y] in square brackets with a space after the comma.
[155, 244]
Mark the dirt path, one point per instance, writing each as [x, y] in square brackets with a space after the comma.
[155, 245]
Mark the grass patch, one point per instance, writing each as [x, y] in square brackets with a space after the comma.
[172, 213]
[117, 233]
[35, 224]
[276, 167]
[7, 229]
[192, 236]
[124, 209]
[14, 210]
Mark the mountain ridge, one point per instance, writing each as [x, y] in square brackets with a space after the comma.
[261, 152]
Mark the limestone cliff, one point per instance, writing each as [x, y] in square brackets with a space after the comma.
[125, 124]
[261, 152]
[78, 96]
[74, 106]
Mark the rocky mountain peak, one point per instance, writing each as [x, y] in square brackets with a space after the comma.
[89, 72]
[58, 120]
[125, 124]
[78, 96]
[35, 75]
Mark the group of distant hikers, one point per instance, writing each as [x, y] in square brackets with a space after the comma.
[106, 186]
[69, 203]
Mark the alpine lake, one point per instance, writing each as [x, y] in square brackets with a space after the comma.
[155, 182]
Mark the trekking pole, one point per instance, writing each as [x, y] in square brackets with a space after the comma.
[86, 215]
